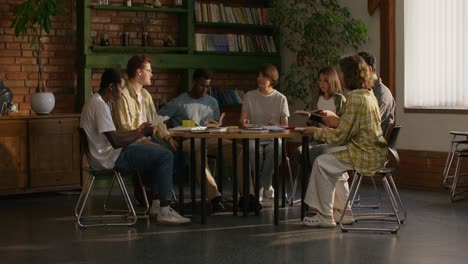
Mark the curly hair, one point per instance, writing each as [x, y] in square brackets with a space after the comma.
[356, 73]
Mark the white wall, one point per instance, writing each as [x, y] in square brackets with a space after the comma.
[420, 131]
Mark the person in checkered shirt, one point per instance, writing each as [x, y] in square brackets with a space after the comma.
[359, 130]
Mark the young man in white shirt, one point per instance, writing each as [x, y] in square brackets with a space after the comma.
[110, 148]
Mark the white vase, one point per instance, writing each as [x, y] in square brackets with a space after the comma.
[42, 103]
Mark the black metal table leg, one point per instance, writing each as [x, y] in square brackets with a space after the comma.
[203, 180]
[305, 168]
[180, 174]
[283, 172]
[219, 164]
[257, 176]
[234, 177]
[245, 174]
[275, 180]
[193, 175]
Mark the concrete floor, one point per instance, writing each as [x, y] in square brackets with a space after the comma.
[41, 228]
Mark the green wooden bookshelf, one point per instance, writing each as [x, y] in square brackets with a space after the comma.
[182, 57]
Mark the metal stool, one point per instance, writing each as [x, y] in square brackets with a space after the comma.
[455, 143]
[457, 177]
[128, 216]
[398, 213]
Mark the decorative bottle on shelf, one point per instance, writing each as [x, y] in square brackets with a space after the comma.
[124, 39]
[104, 40]
[144, 39]
[178, 3]
[128, 2]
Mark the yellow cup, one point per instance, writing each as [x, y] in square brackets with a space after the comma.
[188, 123]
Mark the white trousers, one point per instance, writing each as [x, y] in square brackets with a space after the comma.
[328, 184]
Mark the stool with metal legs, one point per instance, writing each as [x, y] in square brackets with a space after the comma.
[138, 184]
[398, 212]
[458, 178]
[455, 144]
[127, 218]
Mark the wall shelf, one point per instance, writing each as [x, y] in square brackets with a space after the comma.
[139, 9]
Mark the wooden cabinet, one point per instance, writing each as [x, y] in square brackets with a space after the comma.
[39, 154]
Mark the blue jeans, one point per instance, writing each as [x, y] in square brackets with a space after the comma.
[154, 162]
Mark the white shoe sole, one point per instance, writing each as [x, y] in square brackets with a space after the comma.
[318, 221]
[347, 220]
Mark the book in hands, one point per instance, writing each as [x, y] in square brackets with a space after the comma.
[302, 112]
[316, 117]
[215, 123]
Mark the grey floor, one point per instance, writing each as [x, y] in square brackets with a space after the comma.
[41, 228]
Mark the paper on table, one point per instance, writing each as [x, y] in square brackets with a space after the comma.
[273, 128]
[158, 120]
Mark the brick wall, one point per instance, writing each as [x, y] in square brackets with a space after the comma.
[18, 68]
[113, 23]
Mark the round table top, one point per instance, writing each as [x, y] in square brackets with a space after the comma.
[240, 134]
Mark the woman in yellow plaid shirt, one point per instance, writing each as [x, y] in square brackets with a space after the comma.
[359, 130]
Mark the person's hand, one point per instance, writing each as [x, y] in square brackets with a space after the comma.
[174, 144]
[326, 113]
[331, 121]
[146, 129]
[245, 122]
[309, 130]
[272, 123]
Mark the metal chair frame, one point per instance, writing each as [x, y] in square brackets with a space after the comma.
[454, 194]
[129, 215]
[398, 213]
[455, 143]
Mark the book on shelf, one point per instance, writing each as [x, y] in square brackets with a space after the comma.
[218, 12]
[234, 43]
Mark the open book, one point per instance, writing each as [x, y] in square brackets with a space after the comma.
[313, 115]
[215, 123]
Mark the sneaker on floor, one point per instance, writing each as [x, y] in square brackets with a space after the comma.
[269, 194]
[169, 216]
[347, 219]
[252, 204]
[266, 194]
[318, 221]
[155, 208]
[217, 204]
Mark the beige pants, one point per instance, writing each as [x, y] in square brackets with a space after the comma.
[328, 184]
[212, 150]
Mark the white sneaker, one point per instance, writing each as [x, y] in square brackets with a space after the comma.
[266, 194]
[155, 208]
[169, 216]
[347, 219]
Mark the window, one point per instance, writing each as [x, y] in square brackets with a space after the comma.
[436, 54]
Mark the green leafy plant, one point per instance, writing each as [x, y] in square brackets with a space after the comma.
[318, 31]
[32, 20]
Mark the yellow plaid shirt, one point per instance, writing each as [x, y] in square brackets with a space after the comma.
[359, 129]
[127, 110]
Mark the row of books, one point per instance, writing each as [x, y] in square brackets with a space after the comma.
[234, 43]
[227, 97]
[218, 13]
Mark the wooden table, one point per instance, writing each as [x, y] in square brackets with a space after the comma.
[244, 137]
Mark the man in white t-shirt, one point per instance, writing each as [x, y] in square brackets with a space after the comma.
[109, 148]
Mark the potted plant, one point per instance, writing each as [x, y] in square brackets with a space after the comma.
[32, 20]
[318, 31]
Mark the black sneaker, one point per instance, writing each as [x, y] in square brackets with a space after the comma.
[252, 203]
[217, 204]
